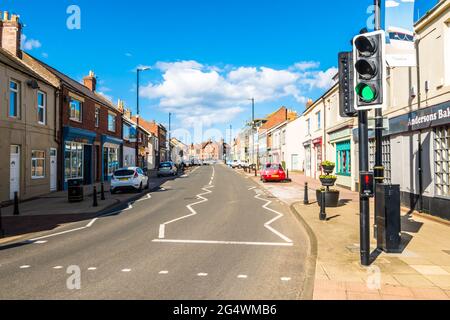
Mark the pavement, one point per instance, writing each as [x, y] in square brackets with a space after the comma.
[420, 272]
[211, 234]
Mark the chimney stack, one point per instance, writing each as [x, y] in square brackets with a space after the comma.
[90, 81]
[10, 33]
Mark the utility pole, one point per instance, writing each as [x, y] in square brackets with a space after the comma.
[378, 168]
[170, 135]
[138, 112]
[252, 129]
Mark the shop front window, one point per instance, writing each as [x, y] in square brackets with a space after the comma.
[343, 159]
[111, 160]
[442, 161]
[74, 160]
[37, 164]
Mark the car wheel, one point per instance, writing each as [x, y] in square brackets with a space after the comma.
[113, 191]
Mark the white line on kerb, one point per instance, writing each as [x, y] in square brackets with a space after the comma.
[279, 216]
[162, 227]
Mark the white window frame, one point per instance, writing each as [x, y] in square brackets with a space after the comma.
[43, 107]
[97, 117]
[319, 120]
[442, 162]
[34, 160]
[73, 118]
[115, 122]
[447, 53]
[17, 92]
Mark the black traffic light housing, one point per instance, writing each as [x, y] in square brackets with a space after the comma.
[369, 55]
[346, 81]
[367, 184]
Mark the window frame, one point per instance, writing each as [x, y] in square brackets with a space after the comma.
[18, 99]
[440, 185]
[110, 114]
[319, 120]
[97, 117]
[80, 120]
[344, 148]
[34, 160]
[43, 107]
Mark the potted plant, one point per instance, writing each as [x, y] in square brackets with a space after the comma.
[331, 197]
[328, 180]
[328, 166]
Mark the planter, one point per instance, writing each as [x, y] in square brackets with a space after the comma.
[328, 182]
[331, 198]
[328, 169]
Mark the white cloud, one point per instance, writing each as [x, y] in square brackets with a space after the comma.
[29, 44]
[211, 95]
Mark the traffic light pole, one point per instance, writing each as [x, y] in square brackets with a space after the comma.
[378, 169]
[364, 208]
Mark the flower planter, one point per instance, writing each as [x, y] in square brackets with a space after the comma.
[328, 169]
[328, 182]
[331, 198]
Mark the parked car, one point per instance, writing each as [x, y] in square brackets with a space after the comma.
[167, 169]
[236, 164]
[131, 178]
[273, 173]
[230, 163]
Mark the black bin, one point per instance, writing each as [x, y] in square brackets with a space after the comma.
[75, 190]
[388, 218]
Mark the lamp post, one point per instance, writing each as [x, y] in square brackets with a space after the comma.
[138, 112]
[170, 136]
[253, 127]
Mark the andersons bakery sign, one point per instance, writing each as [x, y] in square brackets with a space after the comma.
[421, 119]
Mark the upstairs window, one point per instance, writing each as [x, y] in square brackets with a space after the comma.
[14, 99]
[97, 117]
[319, 124]
[111, 122]
[41, 107]
[76, 109]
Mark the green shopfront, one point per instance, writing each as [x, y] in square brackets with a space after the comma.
[340, 148]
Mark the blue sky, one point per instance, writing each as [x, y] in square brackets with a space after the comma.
[207, 57]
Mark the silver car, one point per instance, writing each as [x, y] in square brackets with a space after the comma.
[167, 169]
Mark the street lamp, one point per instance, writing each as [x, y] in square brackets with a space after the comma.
[139, 70]
[253, 127]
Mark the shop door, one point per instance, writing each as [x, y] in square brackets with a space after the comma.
[14, 177]
[53, 170]
[87, 165]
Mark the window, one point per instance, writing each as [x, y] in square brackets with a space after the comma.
[37, 164]
[343, 159]
[308, 127]
[76, 109]
[111, 160]
[447, 54]
[74, 159]
[14, 99]
[126, 132]
[97, 117]
[442, 161]
[386, 155]
[112, 122]
[319, 124]
[283, 137]
[42, 107]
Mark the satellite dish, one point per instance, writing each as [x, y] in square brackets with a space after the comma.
[33, 84]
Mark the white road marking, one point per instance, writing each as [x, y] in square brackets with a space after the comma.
[92, 269]
[279, 216]
[147, 197]
[164, 272]
[268, 244]
[286, 279]
[251, 188]
[126, 270]
[202, 274]
[58, 267]
[242, 276]
[162, 227]
[40, 242]
[25, 267]
[90, 224]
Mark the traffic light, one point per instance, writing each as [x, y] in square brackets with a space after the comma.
[369, 56]
[346, 81]
[367, 185]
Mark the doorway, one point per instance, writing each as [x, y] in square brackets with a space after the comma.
[14, 176]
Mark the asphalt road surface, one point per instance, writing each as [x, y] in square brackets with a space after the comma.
[212, 234]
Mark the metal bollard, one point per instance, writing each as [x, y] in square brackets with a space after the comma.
[103, 192]
[16, 204]
[305, 199]
[95, 204]
[2, 233]
[256, 171]
[287, 174]
[323, 205]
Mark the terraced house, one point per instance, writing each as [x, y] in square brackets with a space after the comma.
[29, 121]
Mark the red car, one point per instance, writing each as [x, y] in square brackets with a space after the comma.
[273, 172]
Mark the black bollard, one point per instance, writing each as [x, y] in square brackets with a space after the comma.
[103, 192]
[287, 174]
[256, 171]
[16, 204]
[2, 233]
[323, 205]
[95, 204]
[305, 199]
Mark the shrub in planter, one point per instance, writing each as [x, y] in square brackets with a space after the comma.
[331, 197]
[328, 166]
[328, 181]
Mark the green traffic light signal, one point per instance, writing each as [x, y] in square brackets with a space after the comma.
[366, 92]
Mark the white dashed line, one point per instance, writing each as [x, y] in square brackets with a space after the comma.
[40, 242]
[126, 270]
[269, 244]
[202, 274]
[164, 272]
[92, 269]
[58, 267]
[286, 279]
[242, 276]
[25, 267]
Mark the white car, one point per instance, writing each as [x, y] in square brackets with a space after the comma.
[131, 178]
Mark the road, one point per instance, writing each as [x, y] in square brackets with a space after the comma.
[212, 234]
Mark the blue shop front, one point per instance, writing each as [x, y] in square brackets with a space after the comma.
[111, 156]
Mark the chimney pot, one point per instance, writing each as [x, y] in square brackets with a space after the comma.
[6, 16]
[90, 81]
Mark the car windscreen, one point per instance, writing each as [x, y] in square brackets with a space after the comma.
[165, 165]
[123, 173]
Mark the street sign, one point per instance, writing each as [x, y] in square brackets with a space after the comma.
[369, 56]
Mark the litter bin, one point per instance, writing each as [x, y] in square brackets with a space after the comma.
[75, 190]
[388, 218]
